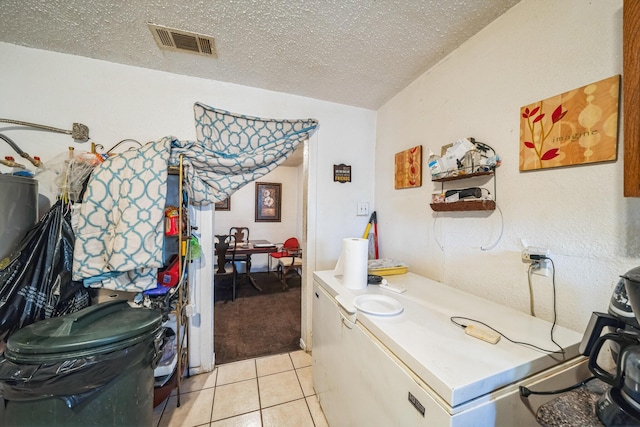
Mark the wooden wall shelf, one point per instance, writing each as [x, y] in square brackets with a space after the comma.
[463, 176]
[465, 205]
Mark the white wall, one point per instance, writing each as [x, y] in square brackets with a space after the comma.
[119, 102]
[537, 49]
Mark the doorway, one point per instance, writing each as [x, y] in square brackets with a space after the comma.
[306, 203]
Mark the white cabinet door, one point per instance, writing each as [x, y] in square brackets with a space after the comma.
[328, 355]
[357, 382]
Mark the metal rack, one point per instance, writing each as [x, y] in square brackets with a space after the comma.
[182, 347]
[179, 299]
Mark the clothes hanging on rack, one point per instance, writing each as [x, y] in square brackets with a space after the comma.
[119, 232]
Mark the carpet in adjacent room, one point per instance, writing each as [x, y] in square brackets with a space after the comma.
[257, 323]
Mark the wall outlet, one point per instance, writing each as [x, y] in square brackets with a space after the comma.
[530, 251]
[531, 255]
[363, 209]
[541, 268]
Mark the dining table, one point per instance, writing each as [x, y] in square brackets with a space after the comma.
[254, 247]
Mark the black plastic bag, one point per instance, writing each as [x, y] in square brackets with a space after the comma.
[36, 284]
[75, 380]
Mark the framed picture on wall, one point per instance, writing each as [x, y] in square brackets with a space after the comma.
[268, 201]
[224, 205]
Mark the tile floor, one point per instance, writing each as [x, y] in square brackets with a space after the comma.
[268, 391]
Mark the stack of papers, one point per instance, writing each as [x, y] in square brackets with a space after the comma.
[386, 266]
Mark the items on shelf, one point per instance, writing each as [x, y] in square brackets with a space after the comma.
[171, 221]
[169, 276]
[172, 292]
[466, 158]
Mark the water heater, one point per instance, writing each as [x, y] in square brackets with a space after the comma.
[18, 210]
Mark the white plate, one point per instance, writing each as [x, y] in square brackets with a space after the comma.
[379, 305]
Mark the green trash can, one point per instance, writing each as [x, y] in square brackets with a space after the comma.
[90, 368]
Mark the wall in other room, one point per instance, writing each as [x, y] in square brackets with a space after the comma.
[242, 213]
[537, 49]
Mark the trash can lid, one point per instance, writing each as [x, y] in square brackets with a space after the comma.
[100, 328]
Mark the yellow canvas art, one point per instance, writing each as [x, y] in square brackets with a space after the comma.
[573, 128]
[409, 168]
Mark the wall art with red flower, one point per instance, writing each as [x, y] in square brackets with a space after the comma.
[409, 168]
[573, 128]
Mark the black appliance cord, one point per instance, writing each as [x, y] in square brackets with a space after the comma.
[525, 392]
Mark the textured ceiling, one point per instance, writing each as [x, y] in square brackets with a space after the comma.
[354, 52]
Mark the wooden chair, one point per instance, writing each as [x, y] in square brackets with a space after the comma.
[290, 247]
[226, 264]
[288, 263]
[241, 237]
[241, 234]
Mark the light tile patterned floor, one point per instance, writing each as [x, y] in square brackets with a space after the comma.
[272, 391]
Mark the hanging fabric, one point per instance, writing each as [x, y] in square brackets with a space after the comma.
[233, 150]
[120, 228]
[119, 233]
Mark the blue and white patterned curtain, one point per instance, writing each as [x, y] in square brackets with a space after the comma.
[233, 150]
[119, 237]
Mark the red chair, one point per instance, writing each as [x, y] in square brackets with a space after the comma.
[290, 247]
[287, 263]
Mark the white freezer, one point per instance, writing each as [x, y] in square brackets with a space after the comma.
[418, 368]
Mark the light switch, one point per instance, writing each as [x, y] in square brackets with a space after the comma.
[363, 209]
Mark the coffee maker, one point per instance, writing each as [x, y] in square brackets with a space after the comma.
[620, 406]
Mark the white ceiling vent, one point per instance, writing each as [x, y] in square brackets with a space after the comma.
[183, 41]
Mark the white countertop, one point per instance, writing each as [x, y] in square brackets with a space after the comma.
[456, 366]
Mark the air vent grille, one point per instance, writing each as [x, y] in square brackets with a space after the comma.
[205, 46]
[165, 38]
[183, 41]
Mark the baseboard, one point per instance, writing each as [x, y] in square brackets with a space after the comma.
[303, 345]
[196, 371]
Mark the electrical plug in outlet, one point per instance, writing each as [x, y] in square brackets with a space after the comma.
[541, 268]
[532, 254]
[539, 258]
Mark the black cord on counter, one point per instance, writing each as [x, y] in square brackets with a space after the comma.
[553, 325]
[525, 392]
[453, 320]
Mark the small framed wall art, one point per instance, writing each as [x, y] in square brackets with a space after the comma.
[224, 205]
[268, 202]
[409, 168]
[342, 173]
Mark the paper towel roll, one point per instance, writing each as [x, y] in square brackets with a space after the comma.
[354, 258]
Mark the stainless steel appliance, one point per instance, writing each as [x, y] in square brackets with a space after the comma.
[620, 406]
[18, 210]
